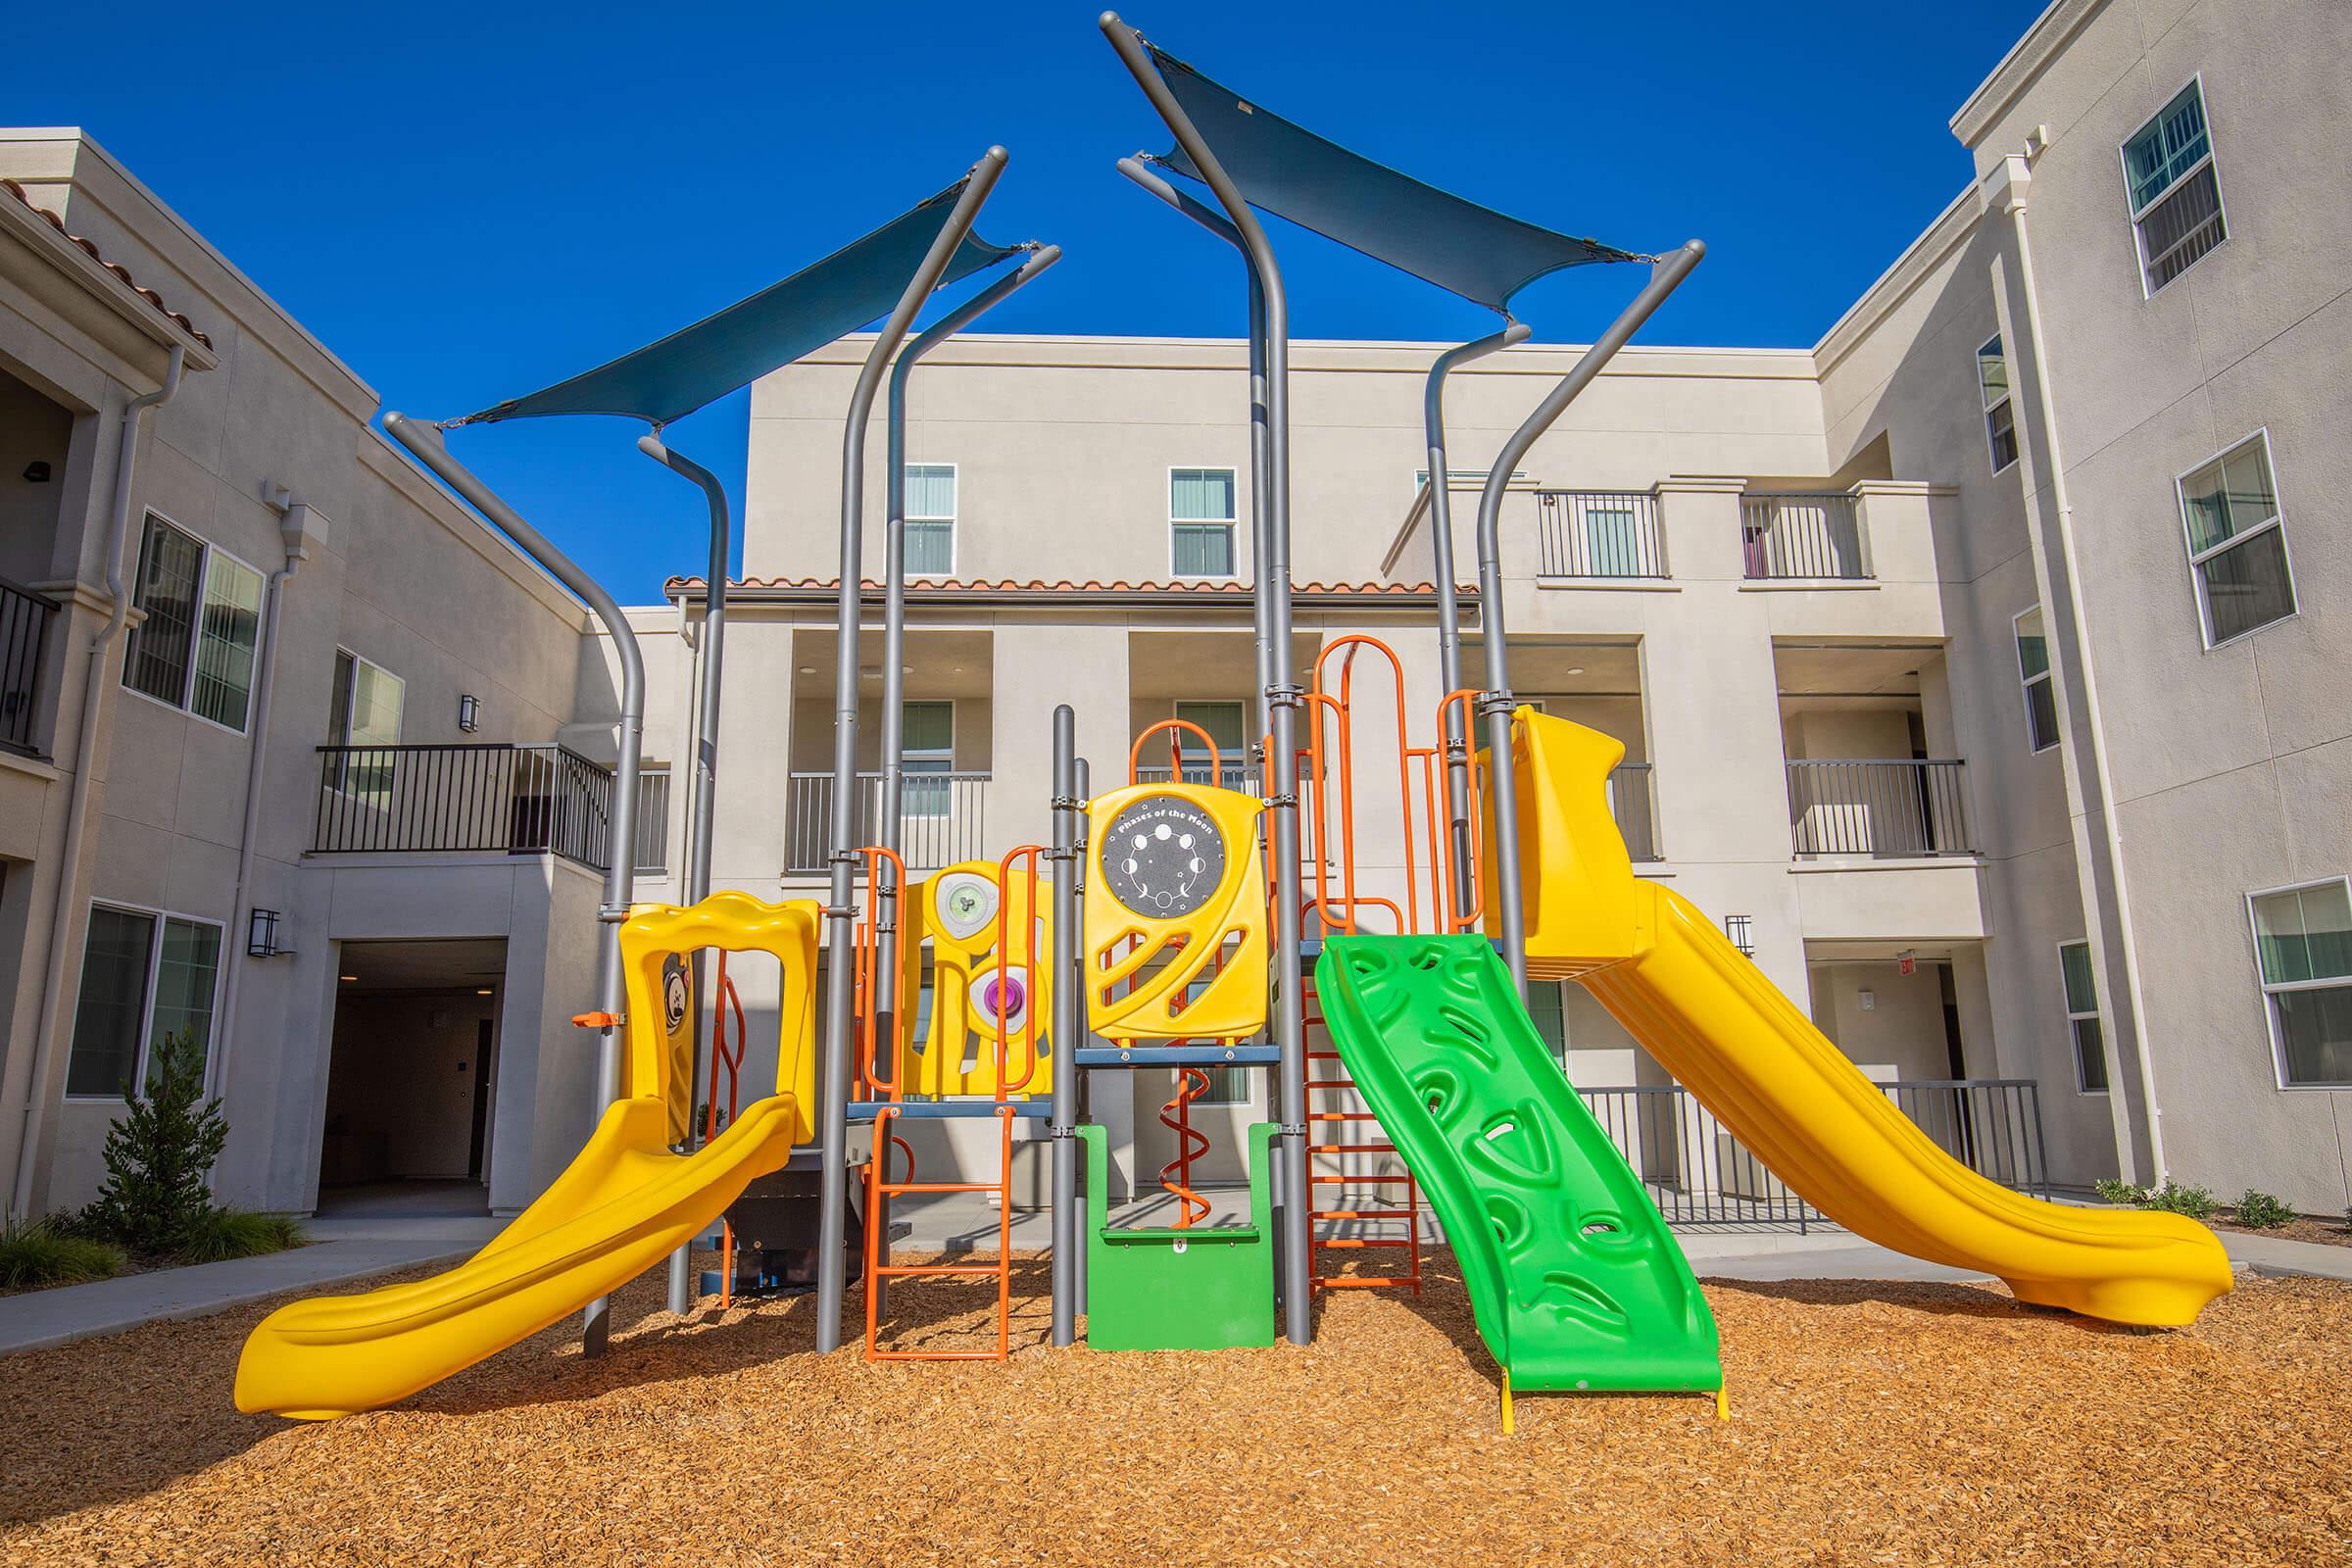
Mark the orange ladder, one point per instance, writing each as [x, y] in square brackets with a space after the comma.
[1341, 1134]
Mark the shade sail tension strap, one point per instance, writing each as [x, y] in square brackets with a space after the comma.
[1284, 168]
[696, 365]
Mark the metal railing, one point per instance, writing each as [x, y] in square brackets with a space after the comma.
[1890, 808]
[1802, 536]
[25, 618]
[1598, 533]
[1242, 777]
[488, 797]
[1699, 1173]
[940, 819]
[1630, 803]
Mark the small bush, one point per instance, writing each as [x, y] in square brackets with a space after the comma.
[2260, 1211]
[158, 1153]
[225, 1233]
[2118, 1192]
[2174, 1198]
[43, 1251]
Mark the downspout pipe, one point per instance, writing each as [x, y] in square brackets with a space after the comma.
[1449, 609]
[1282, 694]
[703, 785]
[843, 839]
[2094, 727]
[85, 751]
[1496, 702]
[423, 440]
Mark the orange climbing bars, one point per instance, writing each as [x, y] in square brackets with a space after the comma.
[877, 1185]
[1176, 1176]
[867, 946]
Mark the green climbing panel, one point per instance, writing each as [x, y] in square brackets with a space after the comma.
[1576, 1281]
[1203, 1288]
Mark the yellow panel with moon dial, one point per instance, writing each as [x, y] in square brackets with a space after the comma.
[1175, 913]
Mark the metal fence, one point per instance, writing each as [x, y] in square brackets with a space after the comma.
[488, 797]
[1242, 777]
[940, 819]
[25, 618]
[1891, 808]
[1598, 533]
[1794, 535]
[1699, 1173]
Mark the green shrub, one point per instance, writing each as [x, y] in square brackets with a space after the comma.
[2174, 1198]
[2260, 1211]
[2118, 1192]
[158, 1153]
[43, 1251]
[225, 1233]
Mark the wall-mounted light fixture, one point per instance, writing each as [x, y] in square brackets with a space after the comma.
[469, 713]
[260, 935]
[1742, 929]
[36, 472]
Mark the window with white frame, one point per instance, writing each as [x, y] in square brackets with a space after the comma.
[2033, 671]
[1200, 518]
[202, 609]
[2174, 191]
[2001, 415]
[1227, 726]
[2083, 1018]
[2303, 951]
[1548, 1011]
[928, 752]
[930, 519]
[145, 977]
[2236, 542]
[362, 714]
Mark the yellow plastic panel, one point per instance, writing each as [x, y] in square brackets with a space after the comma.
[733, 922]
[957, 910]
[1175, 908]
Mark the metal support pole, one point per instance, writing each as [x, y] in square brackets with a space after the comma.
[1069, 1018]
[1450, 609]
[1073, 980]
[702, 785]
[423, 441]
[1281, 693]
[1495, 704]
[834, 1084]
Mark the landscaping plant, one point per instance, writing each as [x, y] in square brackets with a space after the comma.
[46, 1251]
[2194, 1201]
[2260, 1211]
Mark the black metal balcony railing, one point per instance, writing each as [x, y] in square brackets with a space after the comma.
[25, 618]
[1598, 533]
[1891, 808]
[1631, 804]
[1699, 1174]
[1808, 536]
[1242, 777]
[940, 819]
[489, 798]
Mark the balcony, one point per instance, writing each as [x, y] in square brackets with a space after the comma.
[25, 618]
[1242, 777]
[939, 819]
[1803, 537]
[492, 799]
[1885, 810]
[1598, 533]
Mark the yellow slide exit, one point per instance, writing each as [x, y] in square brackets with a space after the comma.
[618, 1210]
[1710, 1016]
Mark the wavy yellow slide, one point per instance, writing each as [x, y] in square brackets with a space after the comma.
[1710, 1018]
[615, 1211]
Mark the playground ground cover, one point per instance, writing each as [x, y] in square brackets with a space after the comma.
[1874, 1423]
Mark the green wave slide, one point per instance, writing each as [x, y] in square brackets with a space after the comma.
[1576, 1281]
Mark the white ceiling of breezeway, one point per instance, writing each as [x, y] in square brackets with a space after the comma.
[447, 966]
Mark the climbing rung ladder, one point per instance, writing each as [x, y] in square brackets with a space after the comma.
[878, 1190]
[1406, 1212]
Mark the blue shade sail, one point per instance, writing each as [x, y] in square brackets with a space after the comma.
[1483, 255]
[696, 365]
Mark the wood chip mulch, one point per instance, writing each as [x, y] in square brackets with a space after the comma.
[1874, 1424]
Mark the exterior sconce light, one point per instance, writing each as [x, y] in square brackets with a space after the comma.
[469, 713]
[260, 935]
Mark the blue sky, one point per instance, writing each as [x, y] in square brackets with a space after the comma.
[467, 203]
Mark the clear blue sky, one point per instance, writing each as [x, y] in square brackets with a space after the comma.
[468, 202]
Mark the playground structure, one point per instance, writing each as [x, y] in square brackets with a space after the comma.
[1191, 926]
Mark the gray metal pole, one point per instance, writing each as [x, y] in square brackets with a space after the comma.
[1073, 980]
[1069, 1015]
[702, 785]
[833, 1188]
[1496, 702]
[1282, 694]
[1449, 609]
[423, 441]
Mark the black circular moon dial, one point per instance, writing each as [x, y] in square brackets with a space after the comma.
[1163, 858]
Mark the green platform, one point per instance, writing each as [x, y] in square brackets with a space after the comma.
[1576, 1281]
[1205, 1288]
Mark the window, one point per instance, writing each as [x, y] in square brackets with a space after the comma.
[1545, 1006]
[1200, 515]
[195, 649]
[2000, 420]
[928, 751]
[1227, 725]
[362, 712]
[2303, 946]
[2175, 196]
[2033, 669]
[930, 519]
[144, 977]
[1227, 1086]
[2082, 1018]
[652, 821]
[2236, 542]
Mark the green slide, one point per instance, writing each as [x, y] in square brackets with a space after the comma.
[1576, 1281]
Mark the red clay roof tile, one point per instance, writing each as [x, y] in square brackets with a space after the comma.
[116, 268]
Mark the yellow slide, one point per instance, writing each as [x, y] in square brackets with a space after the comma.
[1726, 1033]
[618, 1210]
